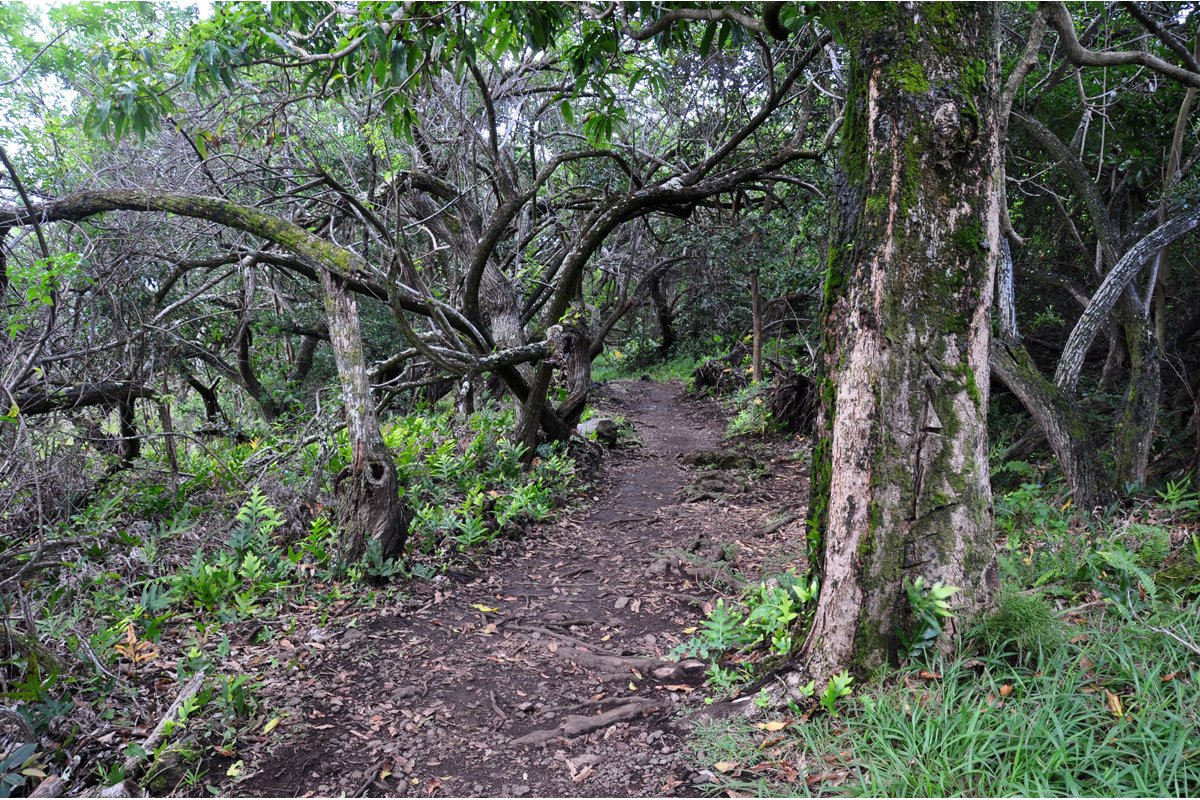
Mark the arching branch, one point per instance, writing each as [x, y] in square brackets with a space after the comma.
[1104, 298]
[1060, 19]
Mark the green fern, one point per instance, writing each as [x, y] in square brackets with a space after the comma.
[1126, 565]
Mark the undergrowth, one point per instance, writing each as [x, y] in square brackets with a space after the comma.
[1083, 682]
[154, 580]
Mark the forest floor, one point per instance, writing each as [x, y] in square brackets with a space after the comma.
[547, 672]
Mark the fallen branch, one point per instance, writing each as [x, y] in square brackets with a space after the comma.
[786, 519]
[661, 670]
[138, 758]
[1168, 632]
[53, 786]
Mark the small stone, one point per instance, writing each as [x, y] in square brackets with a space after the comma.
[603, 429]
[621, 602]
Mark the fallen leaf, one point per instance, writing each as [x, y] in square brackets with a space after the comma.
[929, 676]
[583, 774]
[679, 687]
[726, 766]
[271, 725]
[1114, 704]
[1006, 690]
[235, 768]
[691, 630]
[489, 630]
[483, 608]
[773, 726]
[1170, 676]
[632, 686]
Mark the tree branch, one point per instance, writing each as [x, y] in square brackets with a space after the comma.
[1060, 19]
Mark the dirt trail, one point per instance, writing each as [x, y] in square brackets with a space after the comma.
[476, 686]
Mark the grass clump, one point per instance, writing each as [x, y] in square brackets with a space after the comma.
[1022, 622]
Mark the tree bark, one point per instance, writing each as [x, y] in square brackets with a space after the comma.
[1057, 416]
[368, 499]
[756, 328]
[663, 315]
[901, 484]
[1139, 417]
[1110, 291]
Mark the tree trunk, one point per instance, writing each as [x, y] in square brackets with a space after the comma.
[1058, 418]
[368, 499]
[901, 479]
[663, 315]
[576, 357]
[208, 394]
[756, 327]
[1135, 431]
[130, 443]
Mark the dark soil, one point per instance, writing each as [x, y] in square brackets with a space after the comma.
[550, 672]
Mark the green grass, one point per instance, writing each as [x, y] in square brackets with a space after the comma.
[1054, 734]
[610, 367]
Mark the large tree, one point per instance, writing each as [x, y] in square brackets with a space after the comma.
[901, 487]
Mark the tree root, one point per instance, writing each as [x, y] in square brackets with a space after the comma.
[623, 665]
[699, 573]
[578, 725]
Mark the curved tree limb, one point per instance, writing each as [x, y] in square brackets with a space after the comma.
[1060, 19]
[1072, 168]
[1105, 298]
[1173, 44]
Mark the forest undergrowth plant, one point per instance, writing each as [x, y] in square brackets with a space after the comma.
[757, 628]
[1023, 623]
[751, 416]
[466, 482]
[1053, 694]
[929, 605]
[1109, 713]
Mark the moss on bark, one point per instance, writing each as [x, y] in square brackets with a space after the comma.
[900, 483]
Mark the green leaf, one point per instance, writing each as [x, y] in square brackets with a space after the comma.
[706, 41]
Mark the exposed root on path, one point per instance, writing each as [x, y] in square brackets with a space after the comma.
[578, 725]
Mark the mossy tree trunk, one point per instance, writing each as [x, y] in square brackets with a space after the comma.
[900, 475]
[368, 499]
